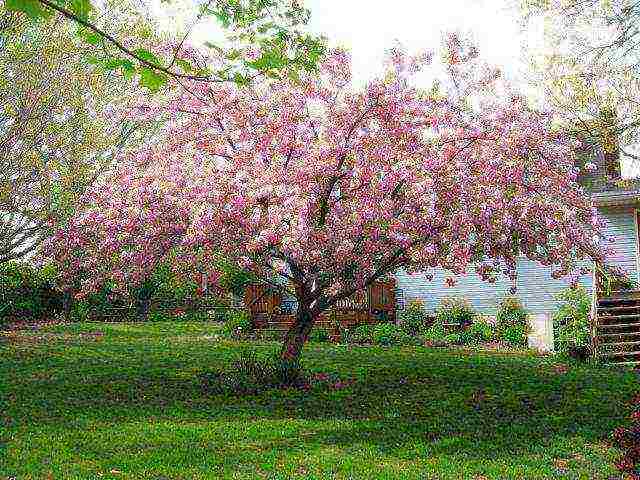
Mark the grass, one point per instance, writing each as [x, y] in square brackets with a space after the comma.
[122, 401]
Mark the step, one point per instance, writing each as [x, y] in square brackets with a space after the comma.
[631, 362]
[619, 334]
[619, 325]
[617, 302]
[618, 354]
[622, 295]
[616, 344]
[621, 317]
[618, 309]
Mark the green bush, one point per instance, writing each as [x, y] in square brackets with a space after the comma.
[28, 292]
[385, 334]
[435, 334]
[515, 336]
[479, 332]
[379, 334]
[389, 334]
[453, 338]
[319, 334]
[361, 334]
[455, 311]
[413, 319]
[250, 374]
[237, 325]
[511, 322]
[571, 320]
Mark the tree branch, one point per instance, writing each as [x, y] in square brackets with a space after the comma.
[72, 16]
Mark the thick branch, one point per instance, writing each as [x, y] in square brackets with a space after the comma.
[72, 16]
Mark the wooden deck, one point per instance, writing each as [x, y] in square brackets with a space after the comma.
[615, 329]
[375, 305]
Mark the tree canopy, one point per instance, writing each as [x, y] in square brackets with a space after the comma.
[264, 38]
[61, 125]
[590, 68]
[333, 188]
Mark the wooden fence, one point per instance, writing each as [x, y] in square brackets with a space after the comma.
[376, 304]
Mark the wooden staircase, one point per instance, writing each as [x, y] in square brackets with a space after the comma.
[616, 335]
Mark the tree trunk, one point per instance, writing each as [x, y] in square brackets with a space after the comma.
[297, 335]
[143, 300]
[67, 303]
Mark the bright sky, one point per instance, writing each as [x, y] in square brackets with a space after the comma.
[368, 27]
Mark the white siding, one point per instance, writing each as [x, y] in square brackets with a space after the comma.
[535, 287]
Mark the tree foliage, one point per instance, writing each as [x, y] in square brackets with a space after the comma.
[59, 128]
[590, 69]
[264, 38]
[333, 188]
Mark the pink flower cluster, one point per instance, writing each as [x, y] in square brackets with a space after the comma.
[334, 187]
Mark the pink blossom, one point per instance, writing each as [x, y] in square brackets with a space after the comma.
[336, 200]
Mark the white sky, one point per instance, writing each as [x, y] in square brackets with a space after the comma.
[368, 27]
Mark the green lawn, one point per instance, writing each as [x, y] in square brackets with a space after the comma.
[127, 405]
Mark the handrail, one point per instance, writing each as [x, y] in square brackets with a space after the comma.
[594, 313]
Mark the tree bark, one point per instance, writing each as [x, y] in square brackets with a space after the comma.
[297, 335]
[143, 300]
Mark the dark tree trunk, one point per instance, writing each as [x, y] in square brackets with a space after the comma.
[297, 335]
[143, 300]
[67, 303]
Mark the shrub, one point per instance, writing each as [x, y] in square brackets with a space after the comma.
[413, 319]
[237, 325]
[385, 334]
[319, 334]
[515, 336]
[511, 322]
[435, 335]
[455, 311]
[250, 374]
[389, 334]
[27, 291]
[627, 440]
[379, 334]
[479, 332]
[571, 321]
[361, 334]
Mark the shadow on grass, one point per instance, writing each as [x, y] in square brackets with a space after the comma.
[484, 406]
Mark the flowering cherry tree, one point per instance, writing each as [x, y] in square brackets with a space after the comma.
[332, 187]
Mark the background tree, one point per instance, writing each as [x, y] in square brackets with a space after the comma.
[590, 70]
[61, 125]
[263, 38]
[332, 188]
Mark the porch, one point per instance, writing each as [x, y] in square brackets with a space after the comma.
[269, 308]
[615, 328]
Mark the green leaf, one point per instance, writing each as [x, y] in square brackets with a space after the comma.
[184, 64]
[151, 79]
[93, 60]
[233, 54]
[114, 63]
[294, 76]
[89, 36]
[128, 69]
[32, 8]
[147, 56]
[223, 17]
[241, 80]
[81, 8]
[202, 72]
